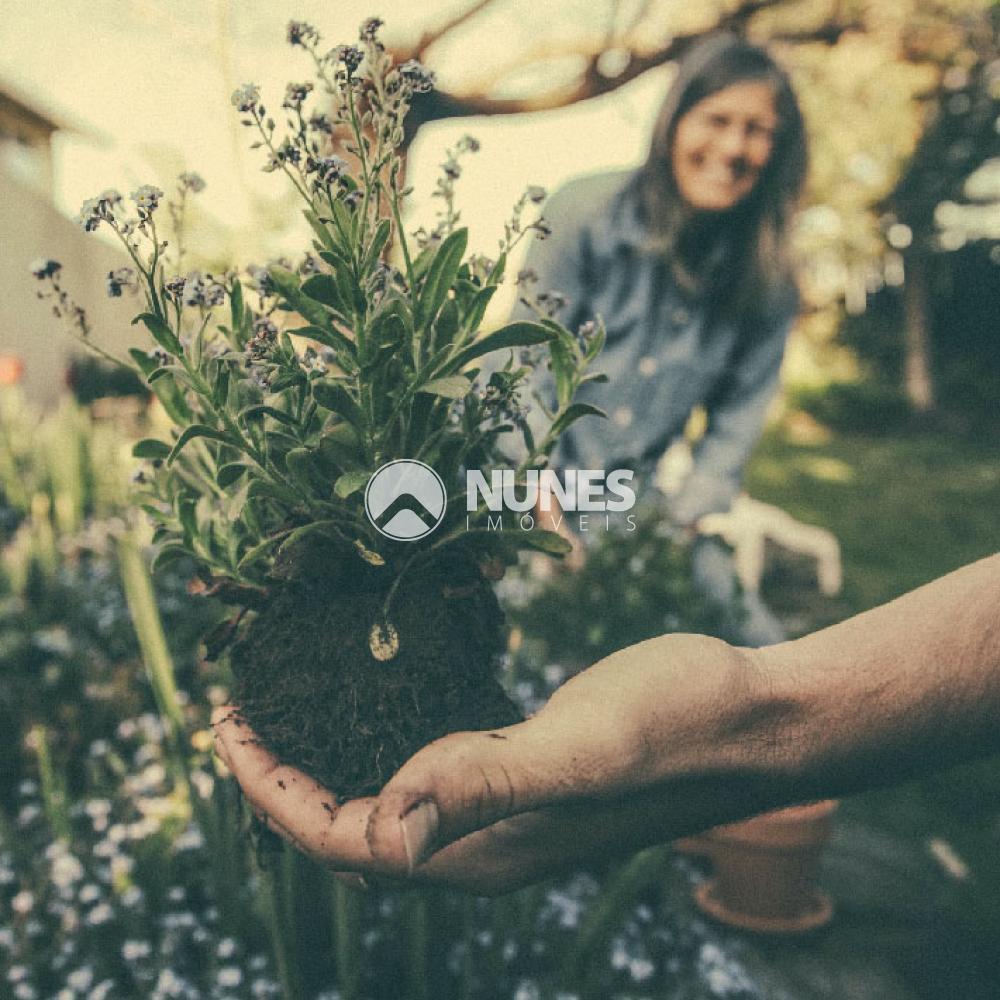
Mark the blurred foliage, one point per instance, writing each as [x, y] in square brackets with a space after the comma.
[68, 652]
[89, 378]
[863, 406]
[964, 296]
[633, 585]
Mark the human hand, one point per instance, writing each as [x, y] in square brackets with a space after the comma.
[603, 768]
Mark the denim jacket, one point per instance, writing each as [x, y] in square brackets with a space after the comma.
[662, 357]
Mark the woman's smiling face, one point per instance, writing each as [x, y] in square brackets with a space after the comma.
[722, 145]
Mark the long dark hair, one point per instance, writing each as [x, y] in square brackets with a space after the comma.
[746, 264]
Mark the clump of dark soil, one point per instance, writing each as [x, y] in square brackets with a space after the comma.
[309, 686]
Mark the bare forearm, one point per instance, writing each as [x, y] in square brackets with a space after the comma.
[901, 689]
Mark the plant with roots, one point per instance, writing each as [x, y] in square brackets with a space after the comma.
[289, 386]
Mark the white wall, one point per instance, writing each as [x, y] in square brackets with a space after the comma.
[30, 227]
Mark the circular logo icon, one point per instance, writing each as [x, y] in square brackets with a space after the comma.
[405, 500]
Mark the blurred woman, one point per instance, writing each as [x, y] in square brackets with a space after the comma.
[687, 262]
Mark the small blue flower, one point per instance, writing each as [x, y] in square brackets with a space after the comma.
[246, 98]
[417, 76]
[147, 199]
[190, 181]
[45, 268]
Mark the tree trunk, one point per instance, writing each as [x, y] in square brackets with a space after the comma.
[917, 335]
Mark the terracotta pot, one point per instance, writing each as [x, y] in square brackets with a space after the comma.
[765, 870]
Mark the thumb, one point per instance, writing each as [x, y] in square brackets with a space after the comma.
[469, 781]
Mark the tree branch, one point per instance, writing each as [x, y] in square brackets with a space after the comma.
[428, 38]
[439, 105]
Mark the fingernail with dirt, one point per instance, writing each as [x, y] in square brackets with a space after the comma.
[419, 827]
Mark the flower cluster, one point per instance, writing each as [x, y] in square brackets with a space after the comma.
[45, 267]
[368, 32]
[202, 290]
[47, 272]
[420, 79]
[147, 199]
[121, 279]
[295, 95]
[515, 229]
[301, 33]
[265, 333]
[94, 211]
[246, 99]
[502, 399]
[451, 171]
[190, 181]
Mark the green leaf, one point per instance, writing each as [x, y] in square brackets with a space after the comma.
[260, 549]
[287, 285]
[377, 245]
[166, 392]
[346, 224]
[544, 541]
[351, 482]
[330, 337]
[441, 275]
[333, 396]
[228, 474]
[563, 369]
[192, 432]
[521, 334]
[150, 448]
[236, 304]
[340, 448]
[335, 259]
[156, 514]
[477, 308]
[323, 288]
[220, 384]
[447, 325]
[572, 414]
[350, 294]
[596, 344]
[319, 229]
[286, 379]
[300, 462]
[259, 411]
[496, 275]
[281, 442]
[451, 387]
[158, 373]
[270, 491]
[185, 507]
[161, 332]
[167, 554]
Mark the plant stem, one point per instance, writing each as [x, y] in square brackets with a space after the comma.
[347, 928]
[274, 879]
[53, 790]
[155, 653]
[417, 944]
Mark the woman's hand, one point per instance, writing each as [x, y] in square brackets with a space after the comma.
[591, 775]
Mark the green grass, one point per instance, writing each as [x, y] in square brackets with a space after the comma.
[906, 509]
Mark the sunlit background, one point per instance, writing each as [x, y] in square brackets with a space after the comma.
[144, 88]
[124, 870]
